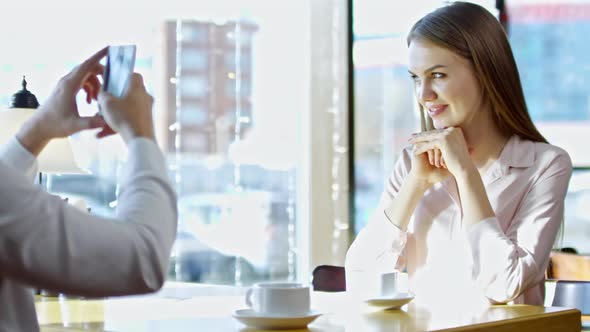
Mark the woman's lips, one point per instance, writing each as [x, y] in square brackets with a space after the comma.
[436, 110]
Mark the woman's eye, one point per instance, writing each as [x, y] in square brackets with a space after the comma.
[438, 75]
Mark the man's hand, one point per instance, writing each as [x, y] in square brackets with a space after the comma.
[130, 116]
[58, 116]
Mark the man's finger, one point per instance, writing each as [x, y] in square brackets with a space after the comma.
[89, 65]
[136, 81]
[90, 122]
[94, 83]
[106, 131]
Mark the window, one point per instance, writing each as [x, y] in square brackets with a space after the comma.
[549, 40]
[230, 115]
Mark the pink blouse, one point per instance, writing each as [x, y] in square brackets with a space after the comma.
[505, 256]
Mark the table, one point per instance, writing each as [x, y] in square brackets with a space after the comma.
[191, 307]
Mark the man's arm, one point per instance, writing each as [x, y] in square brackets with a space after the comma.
[49, 244]
[14, 155]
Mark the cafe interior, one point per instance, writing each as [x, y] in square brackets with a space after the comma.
[280, 122]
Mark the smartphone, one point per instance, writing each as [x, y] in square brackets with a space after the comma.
[118, 69]
[425, 121]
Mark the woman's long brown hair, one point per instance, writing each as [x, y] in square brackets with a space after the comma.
[472, 32]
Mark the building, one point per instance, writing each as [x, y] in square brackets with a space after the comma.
[209, 67]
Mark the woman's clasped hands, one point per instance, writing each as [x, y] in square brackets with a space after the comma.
[439, 153]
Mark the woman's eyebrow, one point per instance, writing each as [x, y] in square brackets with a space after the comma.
[429, 69]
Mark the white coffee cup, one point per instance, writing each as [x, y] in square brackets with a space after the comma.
[365, 285]
[388, 284]
[279, 299]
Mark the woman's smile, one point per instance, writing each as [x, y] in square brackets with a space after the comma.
[436, 110]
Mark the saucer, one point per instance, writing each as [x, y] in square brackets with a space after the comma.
[260, 321]
[395, 301]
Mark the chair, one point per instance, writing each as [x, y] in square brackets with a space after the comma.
[568, 266]
[573, 294]
[329, 278]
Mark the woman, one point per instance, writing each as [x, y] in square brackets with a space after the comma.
[482, 192]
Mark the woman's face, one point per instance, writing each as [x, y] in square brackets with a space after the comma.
[445, 85]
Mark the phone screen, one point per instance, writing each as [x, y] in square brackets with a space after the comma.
[118, 69]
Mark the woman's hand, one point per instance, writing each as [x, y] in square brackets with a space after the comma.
[441, 152]
[424, 170]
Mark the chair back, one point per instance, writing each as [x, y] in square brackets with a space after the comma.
[329, 278]
[573, 294]
[568, 266]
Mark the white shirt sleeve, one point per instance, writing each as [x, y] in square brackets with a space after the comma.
[506, 263]
[377, 247]
[49, 244]
[14, 155]
[380, 244]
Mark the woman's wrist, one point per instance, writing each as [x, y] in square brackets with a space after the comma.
[400, 209]
[474, 199]
[418, 183]
[467, 175]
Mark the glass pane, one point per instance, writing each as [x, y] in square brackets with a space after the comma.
[548, 40]
[576, 228]
[228, 114]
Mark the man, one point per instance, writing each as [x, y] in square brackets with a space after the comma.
[45, 243]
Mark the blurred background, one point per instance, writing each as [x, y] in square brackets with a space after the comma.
[280, 121]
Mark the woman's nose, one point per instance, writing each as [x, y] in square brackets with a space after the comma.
[425, 92]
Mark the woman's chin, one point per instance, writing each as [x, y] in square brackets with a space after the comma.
[443, 124]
